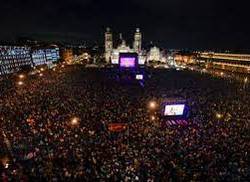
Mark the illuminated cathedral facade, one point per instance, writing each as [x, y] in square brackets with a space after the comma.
[112, 54]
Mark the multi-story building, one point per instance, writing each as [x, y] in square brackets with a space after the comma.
[45, 56]
[52, 55]
[226, 61]
[13, 58]
[39, 57]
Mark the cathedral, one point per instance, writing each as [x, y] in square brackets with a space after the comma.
[112, 54]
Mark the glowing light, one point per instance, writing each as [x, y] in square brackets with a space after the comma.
[152, 105]
[5, 162]
[42, 69]
[75, 121]
[153, 118]
[246, 80]
[219, 116]
[21, 76]
[20, 83]
[41, 74]
[221, 73]
[62, 66]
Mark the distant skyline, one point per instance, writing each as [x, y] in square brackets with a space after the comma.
[198, 24]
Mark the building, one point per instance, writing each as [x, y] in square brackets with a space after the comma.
[13, 58]
[112, 54]
[67, 55]
[185, 58]
[45, 56]
[108, 45]
[16, 58]
[122, 48]
[225, 61]
[52, 55]
[137, 41]
[39, 57]
[155, 55]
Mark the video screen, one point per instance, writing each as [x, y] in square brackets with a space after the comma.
[174, 110]
[139, 77]
[127, 62]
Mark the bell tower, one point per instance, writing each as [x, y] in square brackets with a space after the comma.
[108, 44]
[137, 41]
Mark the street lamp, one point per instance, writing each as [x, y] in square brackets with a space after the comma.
[152, 118]
[75, 121]
[219, 116]
[21, 76]
[20, 83]
[152, 105]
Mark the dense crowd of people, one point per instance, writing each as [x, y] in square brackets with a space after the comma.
[40, 143]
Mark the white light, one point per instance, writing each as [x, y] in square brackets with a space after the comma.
[21, 76]
[139, 77]
[152, 118]
[152, 105]
[219, 116]
[75, 121]
[20, 83]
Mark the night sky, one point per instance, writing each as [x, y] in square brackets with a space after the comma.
[168, 23]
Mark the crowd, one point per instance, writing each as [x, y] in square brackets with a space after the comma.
[43, 145]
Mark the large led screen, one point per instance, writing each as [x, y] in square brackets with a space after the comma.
[127, 62]
[174, 110]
